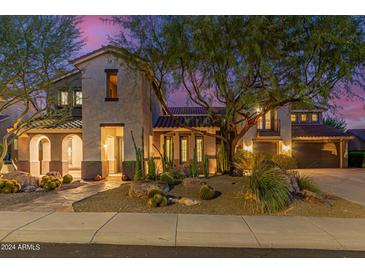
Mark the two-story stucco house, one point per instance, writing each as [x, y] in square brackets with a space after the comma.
[109, 100]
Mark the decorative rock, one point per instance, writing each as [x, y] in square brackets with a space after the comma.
[29, 188]
[293, 180]
[23, 178]
[185, 201]
[54, 174]
[141, 189]
[192, 182]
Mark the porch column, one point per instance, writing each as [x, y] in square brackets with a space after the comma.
[341, 153]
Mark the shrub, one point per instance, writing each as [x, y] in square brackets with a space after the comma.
[9, 186]
[357, 159]
[206, 192]
[151, 169]
[158, 200]
[285, 161]
[306, 183]
[206, 166]
[153, 192]
[245, 160]
[194, 166]
[67, 179]
[268, 186]
[167, 178]
[50, 183]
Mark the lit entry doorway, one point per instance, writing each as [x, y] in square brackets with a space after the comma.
[112, 150]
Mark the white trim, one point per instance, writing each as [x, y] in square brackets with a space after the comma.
[54, 130]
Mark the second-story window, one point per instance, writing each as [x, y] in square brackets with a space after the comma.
[111, 84]
[315, 117]
[303, 117]
[78, 97]
[268, 120]
[64, 98]
[265, 122]
[293, 117]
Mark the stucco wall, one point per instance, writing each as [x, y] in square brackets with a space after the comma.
[132, 108]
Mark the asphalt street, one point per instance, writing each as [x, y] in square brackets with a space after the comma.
[50, 250]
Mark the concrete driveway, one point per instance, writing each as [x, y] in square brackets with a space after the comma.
[347, 183]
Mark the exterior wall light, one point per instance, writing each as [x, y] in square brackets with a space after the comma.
[286, 148]
[248, 148]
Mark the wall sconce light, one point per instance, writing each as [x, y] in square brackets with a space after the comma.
[286, 148]
[248, 148]
[105, 146]
[258, 109]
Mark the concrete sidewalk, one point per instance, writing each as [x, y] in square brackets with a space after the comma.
[183, 230]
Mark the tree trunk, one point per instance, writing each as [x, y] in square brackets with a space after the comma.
[3, 150]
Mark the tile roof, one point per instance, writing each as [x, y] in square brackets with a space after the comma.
[359, 133]
[191, 121]
[53, 124]
[317, 131]
[195, 110]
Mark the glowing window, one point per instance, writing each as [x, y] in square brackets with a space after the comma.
[259, 123]
[64, 98]
[183, 149]
[168, 147]
[268, 120]
[78, 97]
[303, 117]
[199, 148]
[314, 117]
[111, 84]
[293, 118]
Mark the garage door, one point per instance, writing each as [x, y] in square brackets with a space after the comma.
[316, 155]
[268, 147]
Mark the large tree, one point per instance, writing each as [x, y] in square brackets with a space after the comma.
[33, 50]
[248, 64]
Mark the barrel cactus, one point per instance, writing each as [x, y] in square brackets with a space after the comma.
[153, 192]
[67, 179]
[9, 186]
[206, 192]
[49, 183]
[158, 200]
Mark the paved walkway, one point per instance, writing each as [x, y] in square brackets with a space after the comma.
[63, 200]
[348, 183]
[183, 230]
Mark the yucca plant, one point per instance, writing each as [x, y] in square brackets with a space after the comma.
[269, 187]
[306, 183]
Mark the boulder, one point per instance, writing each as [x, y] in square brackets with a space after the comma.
[24, 178]
[55, 174]
[141, 189]
[192, 182]
[184, 201]
[293, 184]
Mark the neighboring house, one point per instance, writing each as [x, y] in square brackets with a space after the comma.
[358, 143]
[109, 100]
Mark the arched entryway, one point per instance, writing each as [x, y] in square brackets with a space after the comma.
[72, 154]
[40, 155]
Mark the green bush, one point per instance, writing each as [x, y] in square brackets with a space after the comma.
[158, 200]
[49, 183]
[151, 169]
[9, 186]
[206, 192]
[306, 183]
[153, 192]
[357, 159]
[67, 179]
[206, 166]
[285, 161]
[246, 160]
[269, 188]
[167, 178]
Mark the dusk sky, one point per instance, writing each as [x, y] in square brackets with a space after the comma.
[96, 32]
